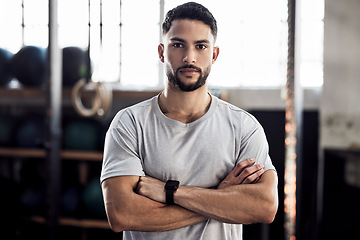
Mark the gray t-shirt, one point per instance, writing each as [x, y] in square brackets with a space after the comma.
[142, 140]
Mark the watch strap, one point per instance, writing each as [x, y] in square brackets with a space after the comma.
[170, 188]
[170, 196]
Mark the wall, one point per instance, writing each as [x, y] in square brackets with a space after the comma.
[340, 105]
[338, 183]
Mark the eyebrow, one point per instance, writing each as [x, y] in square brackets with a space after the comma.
[176, 39]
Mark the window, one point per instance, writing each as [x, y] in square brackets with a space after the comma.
[23, 23]
[104, 33]
[312, 43]
[125, 34]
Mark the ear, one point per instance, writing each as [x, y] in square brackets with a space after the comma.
[161, 52]
[216, 52]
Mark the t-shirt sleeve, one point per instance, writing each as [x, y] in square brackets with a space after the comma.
[121, 153]
[254, 143]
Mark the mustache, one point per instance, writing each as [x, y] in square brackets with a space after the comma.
[189, 66]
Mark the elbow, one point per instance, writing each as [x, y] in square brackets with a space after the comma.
[271, 204]
[116, 227]
[266, 216]
[118, 222]
[269, 212]
[269, 217]
[266, 213]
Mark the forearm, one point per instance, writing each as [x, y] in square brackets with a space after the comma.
[151, 216]
[245, 203]
[235, 200]
[138, 213]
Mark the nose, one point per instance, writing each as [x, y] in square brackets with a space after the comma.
[190, 57]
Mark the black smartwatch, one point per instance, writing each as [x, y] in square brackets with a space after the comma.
[170, 187]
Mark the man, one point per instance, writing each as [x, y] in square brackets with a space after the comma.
[182, 164]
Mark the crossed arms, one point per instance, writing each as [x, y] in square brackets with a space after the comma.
[247, 195]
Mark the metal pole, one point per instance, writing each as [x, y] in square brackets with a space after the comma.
[88, 58]
[54, 97]
[120, 41]
[22, 23]
[293, 125]
[299, 106]
[161, 19]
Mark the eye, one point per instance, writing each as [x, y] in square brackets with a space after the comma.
[178, 45]
[201, 46]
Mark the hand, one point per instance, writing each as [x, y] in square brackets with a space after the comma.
[245, 172]
[151, 188]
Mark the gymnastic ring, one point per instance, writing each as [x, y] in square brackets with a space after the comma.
[106, 98]
[77, 102]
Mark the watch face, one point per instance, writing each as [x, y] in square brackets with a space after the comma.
[172, 185]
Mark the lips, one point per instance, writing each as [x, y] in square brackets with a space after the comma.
[189, 70]
[188, 73]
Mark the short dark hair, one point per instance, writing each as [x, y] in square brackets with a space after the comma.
[192, 11]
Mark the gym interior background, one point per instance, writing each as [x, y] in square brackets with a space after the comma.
[328, 171]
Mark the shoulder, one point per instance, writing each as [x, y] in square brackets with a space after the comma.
[133, 113]
[234, 113]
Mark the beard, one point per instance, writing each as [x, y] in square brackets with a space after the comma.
[177, 83]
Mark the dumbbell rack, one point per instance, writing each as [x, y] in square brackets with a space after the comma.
[84, 158]
[51, 101]
[35, 98]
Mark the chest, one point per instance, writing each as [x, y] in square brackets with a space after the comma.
[197, 156]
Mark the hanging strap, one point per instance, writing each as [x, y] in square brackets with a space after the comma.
[88, 59]
[102, 101]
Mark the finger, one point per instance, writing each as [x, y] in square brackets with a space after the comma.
[242, 165]
[234, 177]
[256, 180]
[253, 178]
[140, 184]
[250, 170]
[137, 188]
[237, 175]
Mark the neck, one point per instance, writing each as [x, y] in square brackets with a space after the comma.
[184, 106]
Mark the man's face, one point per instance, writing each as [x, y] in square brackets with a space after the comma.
[188, 52]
